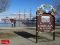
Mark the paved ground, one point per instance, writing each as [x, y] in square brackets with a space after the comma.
[26, 39]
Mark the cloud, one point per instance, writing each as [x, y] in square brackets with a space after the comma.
[16, 15]
[21, 13]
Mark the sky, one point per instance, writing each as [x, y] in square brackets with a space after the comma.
[15, 5]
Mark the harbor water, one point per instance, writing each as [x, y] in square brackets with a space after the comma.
[9, 24]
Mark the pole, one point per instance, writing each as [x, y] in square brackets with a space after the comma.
[19, 17]
[36, 29]
[30, 14]
[53, 35]
[24, 14]
[36, 36]
[53, 28]
[19, 14]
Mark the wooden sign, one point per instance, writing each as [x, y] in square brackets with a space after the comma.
[45, 20]
[45, 23]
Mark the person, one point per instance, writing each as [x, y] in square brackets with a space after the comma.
[14, 23]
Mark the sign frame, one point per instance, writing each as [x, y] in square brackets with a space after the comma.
[45, 22]
[53, 29]
[40, 12]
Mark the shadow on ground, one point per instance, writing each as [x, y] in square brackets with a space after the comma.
[25, 34]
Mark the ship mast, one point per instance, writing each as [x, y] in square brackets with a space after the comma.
[24, 14]
[30, 14]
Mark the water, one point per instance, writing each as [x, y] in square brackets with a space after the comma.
[5, 24]
[20, 24]
[9, 24]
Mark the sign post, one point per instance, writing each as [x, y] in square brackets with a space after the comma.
[45, 22]
[54, 28]
[36, 30]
